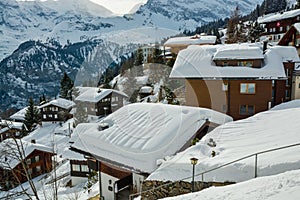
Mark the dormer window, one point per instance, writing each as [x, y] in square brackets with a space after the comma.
[245, 63]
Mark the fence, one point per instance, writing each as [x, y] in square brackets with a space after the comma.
[255, 155]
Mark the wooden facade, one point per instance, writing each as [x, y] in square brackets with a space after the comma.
[254, 63]
[276, 29]
[291, 38]
[105, 106]
[53, 113]
[38, 163]
[227, 96]
[7, 132]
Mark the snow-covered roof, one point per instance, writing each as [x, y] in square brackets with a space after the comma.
[146, 89]
[234, 140]
[191, 40]
[9, 155]
[238, 52]
[278, 16]
[20, 115]
[60, 102]
[95, 94]
[196, 62]
[287, 53]
[11, 124]
[140, 134]
[297, 26]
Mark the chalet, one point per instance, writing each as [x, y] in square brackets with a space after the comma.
[37, 159]
[127, 145]
[238, 79]
[19, 116]
[10, 129]
[56, 110]
[277, 24]
[178, 43]
[292, 37]
[98, 101]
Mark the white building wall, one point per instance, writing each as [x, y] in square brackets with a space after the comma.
[137, 181]
[78, 180]
[107, 183]
[296, 88]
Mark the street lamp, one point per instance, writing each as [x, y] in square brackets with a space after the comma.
[193, 162]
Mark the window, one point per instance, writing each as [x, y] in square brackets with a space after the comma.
[280, 28]
[247, 88]
[76, 167]
[287, 94]
[278, 37]
[55, 116]
[37, 158]
[287, 82]
[84, 168]
[29, 171]
[50, 115]
[224, 86]
[44, 116]
[28, 161]
[225, 63]
[245, 63]
[287, 27]
[299, 86]
[38, 168]
[246, 109]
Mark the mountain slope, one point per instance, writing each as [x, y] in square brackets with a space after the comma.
[78, 21]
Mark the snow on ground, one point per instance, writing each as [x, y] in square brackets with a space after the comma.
[234, 140]
[277, 187]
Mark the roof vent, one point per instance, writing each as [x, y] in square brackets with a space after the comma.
[99, 90]
[33, 141]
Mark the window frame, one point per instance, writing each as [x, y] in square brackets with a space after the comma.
[247, 88]
[246, 109]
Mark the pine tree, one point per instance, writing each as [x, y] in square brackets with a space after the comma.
[297, 6]
[255, 32]
[235, 29]
[66, 85]
[32, 116]
[138, 62]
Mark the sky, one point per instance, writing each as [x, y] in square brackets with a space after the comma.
[119, 6]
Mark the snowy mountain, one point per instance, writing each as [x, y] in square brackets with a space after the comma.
[80, 21]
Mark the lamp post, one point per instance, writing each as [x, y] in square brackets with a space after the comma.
[193, 162]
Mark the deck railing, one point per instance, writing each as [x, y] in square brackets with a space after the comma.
[255, 155]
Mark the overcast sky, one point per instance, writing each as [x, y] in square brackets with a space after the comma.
[119, 6]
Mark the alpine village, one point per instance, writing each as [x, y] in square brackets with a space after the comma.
[205, 113]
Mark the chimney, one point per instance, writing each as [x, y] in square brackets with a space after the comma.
[33, 141]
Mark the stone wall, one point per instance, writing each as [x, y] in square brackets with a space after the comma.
[159, 189]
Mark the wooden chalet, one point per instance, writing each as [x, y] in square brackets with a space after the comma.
[237, 79]
[10, 129]
[100, 102]
[56, 110]
[292, 37]
[36, 158]
[277, 24]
